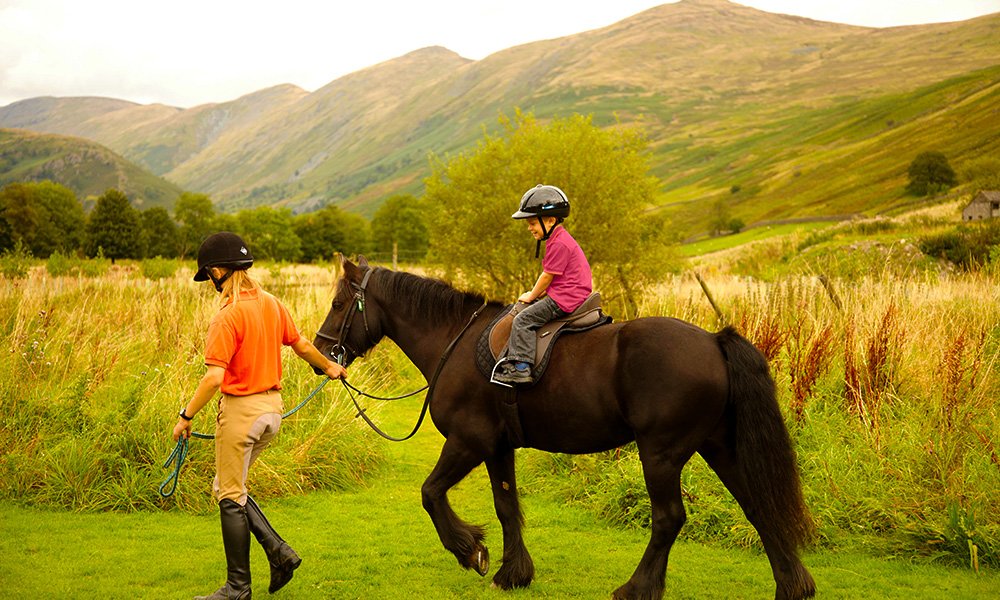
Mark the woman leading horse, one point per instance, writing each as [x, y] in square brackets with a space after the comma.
[673, 388]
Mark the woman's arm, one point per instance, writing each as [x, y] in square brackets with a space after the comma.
[207, 388]
[307, 352]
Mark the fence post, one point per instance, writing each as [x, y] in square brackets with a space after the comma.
[708, 294]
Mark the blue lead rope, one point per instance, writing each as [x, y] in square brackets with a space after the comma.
[181, 449]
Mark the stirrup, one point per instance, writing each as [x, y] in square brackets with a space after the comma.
[493, 373]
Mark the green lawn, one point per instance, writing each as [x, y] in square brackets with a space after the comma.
[724, 242]
[378, 543]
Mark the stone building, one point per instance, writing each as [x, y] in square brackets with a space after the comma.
[985, 205]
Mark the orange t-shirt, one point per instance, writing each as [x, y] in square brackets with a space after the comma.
[245, 339]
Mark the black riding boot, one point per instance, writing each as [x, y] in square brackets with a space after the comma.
[236, 540]
[283, 559]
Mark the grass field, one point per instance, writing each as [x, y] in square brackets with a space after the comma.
[890, 400]
[377, 543]
[724, 242]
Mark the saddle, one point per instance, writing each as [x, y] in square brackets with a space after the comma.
[491, 346]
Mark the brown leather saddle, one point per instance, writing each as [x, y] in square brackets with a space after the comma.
[490, 349]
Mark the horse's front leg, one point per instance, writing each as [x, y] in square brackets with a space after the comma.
[457, 536]
[517, 569]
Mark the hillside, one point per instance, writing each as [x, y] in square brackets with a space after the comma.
[801, 117]
[83, 166]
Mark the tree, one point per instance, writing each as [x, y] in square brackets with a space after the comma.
[195, 214]
[721, 216]
[399, 225]
[930, 173]
[603, 172]
[18, 216]
[322, 233]
[161, 233]
[45, 217]
[269, 233]
[62, 227]
[115, 228]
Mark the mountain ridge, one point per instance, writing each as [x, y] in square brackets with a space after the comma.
[84, 166]
[704, 78]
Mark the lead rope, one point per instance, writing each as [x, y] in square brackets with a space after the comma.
[180, 451]
[429, 387]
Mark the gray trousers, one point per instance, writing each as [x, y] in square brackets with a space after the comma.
[523, 342]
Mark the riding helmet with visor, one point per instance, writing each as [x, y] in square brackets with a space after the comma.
[223, 249]
[543, 201]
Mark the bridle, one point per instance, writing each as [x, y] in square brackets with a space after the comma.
[340, 347]
[358, 305]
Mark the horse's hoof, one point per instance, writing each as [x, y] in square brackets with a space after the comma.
[481, 560]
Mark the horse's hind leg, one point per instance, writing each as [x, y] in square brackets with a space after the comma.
[457, 536]
[662, 472]
[791, 577]
[517, 569]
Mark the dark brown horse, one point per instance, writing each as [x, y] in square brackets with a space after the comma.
[673, 388]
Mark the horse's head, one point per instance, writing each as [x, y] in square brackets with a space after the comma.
[349, 329]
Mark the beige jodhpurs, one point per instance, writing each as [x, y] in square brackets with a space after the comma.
[244, 426]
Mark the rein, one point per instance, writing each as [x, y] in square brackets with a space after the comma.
[180, 451]
[358, 305]
[429, 387]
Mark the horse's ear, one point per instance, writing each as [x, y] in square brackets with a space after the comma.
[348, 268]
[362, 262]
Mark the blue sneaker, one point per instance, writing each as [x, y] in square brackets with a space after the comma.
[510, 372]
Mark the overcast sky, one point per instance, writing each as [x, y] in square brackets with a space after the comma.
[190, 52]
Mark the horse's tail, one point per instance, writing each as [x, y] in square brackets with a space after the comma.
[764, 454]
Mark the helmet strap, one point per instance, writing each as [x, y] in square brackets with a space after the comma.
[218, 281]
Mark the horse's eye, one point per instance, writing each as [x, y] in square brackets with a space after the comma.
[337, 305]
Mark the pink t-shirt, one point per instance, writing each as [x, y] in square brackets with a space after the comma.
[572, 282]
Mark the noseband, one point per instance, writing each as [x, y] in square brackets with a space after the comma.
[340, 347]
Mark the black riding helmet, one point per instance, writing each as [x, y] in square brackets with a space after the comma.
[543, 201]
[223, 249]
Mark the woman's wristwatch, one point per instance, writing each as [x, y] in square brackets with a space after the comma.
[184, 416]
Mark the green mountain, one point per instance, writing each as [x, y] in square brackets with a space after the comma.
[83, 166]
[778, 116]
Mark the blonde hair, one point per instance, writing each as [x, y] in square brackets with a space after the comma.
[240, 281]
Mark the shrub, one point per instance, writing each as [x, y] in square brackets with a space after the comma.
[15, 262]
[58, 264]
[158, 268]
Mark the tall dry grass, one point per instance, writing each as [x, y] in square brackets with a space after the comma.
[94, 370]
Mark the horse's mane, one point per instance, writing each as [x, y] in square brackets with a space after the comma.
[430, 299]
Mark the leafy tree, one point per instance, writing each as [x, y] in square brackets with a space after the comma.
[322, 232]
[400, 222]
[603, 172]
[721, 216]
[161, 233]
[930, 173]
[44, 216]
[196, 215]
[18, 216]
[269, 233]
[114, 228]
[62, 227]
[225, 222]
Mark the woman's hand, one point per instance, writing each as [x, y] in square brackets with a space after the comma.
[526, 297]
[182, 427]
[335, 371]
